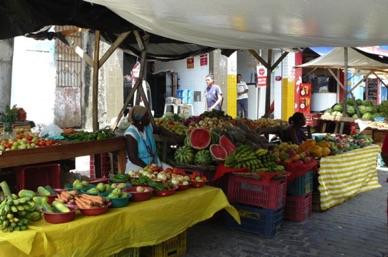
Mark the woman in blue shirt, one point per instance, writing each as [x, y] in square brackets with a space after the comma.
[141, 145]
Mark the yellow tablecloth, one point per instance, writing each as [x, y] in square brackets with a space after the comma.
[343, 176]
[139, 224]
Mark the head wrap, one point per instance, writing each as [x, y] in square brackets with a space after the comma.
[136, 113]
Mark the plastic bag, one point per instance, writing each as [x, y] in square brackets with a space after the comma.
[51, 131]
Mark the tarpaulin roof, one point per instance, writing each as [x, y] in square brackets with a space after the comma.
[33, 18]
[199, 26]
[357, 59]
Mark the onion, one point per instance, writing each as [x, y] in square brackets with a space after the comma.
[161, 176]
[175, 181]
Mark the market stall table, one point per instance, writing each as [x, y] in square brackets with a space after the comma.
[343, 176]
[139, 224]
[66, 150]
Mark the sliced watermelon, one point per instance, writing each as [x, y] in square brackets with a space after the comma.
[227, 144]
[218, 152]
[200, 138]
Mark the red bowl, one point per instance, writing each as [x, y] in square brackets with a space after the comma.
[139, 196]
[197, 184]
[95, 211]
[165, 192]
[182, 187]
[56, 218]
[98, 180]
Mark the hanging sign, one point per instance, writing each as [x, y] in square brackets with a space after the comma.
[190, 62]
[261, 76]
[203, 59]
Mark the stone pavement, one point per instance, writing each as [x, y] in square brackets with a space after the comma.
[356, 228]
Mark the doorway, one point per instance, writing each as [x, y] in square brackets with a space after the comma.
[158, 84]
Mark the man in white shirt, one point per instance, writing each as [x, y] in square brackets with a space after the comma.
[242, 98]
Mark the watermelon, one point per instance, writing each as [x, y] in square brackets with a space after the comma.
[227, 144]
[200, 138]
[203, 157]
[218, 152]
[184, 154]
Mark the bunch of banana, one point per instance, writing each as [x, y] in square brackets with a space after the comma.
[243, 156]
[16, 211]
[261, 151]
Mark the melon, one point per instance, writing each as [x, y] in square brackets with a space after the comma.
[184, 154]
[227, 144]
[200, 138]
[203, 157]
[218, 152]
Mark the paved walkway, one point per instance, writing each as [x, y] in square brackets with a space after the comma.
[356, 228]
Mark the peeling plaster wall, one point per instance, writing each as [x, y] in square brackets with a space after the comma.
[110, 86]
[6, 55]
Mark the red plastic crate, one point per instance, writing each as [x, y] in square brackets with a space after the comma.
[298, 208]
[105, 165]
[269, 194]
[30, 177]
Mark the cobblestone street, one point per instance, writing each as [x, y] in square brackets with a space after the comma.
[356, 228]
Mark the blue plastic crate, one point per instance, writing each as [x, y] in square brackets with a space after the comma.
[301, 185]
[263, 222]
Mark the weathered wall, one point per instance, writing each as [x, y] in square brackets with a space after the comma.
[6, 55]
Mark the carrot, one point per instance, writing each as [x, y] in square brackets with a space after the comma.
[66, 195]
[98, 200]
[81, 204]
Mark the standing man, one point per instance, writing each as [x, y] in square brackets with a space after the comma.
[242, 98]
[213, 94]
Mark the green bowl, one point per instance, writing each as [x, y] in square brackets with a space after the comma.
[119, 202]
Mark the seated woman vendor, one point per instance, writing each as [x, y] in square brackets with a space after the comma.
[294, 132]
[141, 145]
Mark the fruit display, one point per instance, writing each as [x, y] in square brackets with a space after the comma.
[202, 147]
[17, 210]
[25, 139]
[175, 127]
[260, 160]
[78, 184]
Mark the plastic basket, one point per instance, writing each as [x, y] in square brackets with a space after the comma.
[129, 252]
[255, 220]
[173, 247]
[269, 194]
[30, 177]
[301, 185]
[298, 208]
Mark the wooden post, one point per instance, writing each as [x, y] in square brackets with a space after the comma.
[96, 68]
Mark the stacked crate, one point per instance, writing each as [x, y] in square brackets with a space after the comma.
[173, 247]
[260, 204]
[299, 198]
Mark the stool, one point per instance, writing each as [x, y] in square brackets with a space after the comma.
[30, 177]
[191, 107]
[175, 108]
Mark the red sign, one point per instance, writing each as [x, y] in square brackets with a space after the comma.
[261, 76]
[203, 59]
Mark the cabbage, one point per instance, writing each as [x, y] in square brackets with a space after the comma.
[367, 103]
[362, 109]
[359, 102]
[337, 108]
[349, 101]
[370, 109]
[350, 110]
[368, 116]
[384, 103]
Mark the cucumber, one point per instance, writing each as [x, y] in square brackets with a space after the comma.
[26, 193]
[47, 207]
[50, 189]
[43, 191]
[60, 207]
